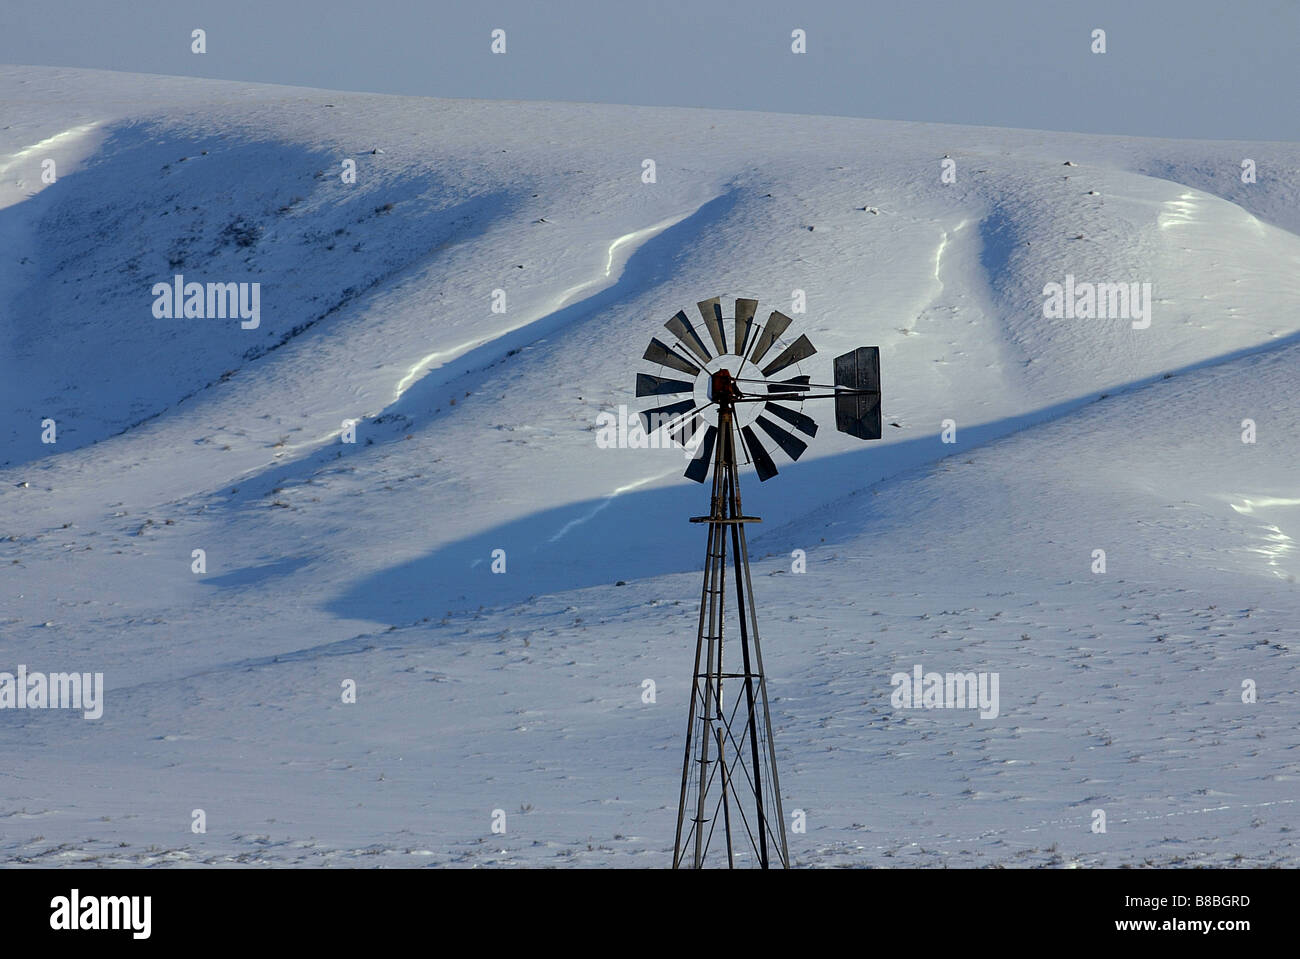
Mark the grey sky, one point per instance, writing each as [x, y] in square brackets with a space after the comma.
[1178, 68]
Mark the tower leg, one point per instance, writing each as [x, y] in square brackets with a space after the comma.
[695, 769]
[757, 677]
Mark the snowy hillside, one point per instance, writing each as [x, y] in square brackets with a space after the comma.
[371, 561]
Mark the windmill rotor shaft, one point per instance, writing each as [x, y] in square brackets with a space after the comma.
[751, 398]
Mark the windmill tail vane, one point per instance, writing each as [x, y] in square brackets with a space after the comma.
[729, 808]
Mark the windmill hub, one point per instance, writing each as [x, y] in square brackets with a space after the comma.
[723, 389]
[708, 386]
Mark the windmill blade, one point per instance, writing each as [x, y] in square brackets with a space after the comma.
[647, 385]
[745, 310]
[711, 310]
[801, 421]
[685, 429]
[681, 328]
[663, 415]
[792, 445]
[777, 324]
[762, 462]
[800, 349]
[698, 470]
[795, 384]
[658, 352]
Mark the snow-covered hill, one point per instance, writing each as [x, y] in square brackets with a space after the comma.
[522, 692]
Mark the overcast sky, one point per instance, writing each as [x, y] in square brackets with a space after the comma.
[1177, 68]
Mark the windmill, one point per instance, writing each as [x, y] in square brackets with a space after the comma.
[731, 796]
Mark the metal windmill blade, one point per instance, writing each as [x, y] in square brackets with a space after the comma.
[800, 349]
[792, 445]
[647, 385]
[801, 421]
[657, 352]
[711, 311]
[776, 324]
[745, 310]
[681, 328]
